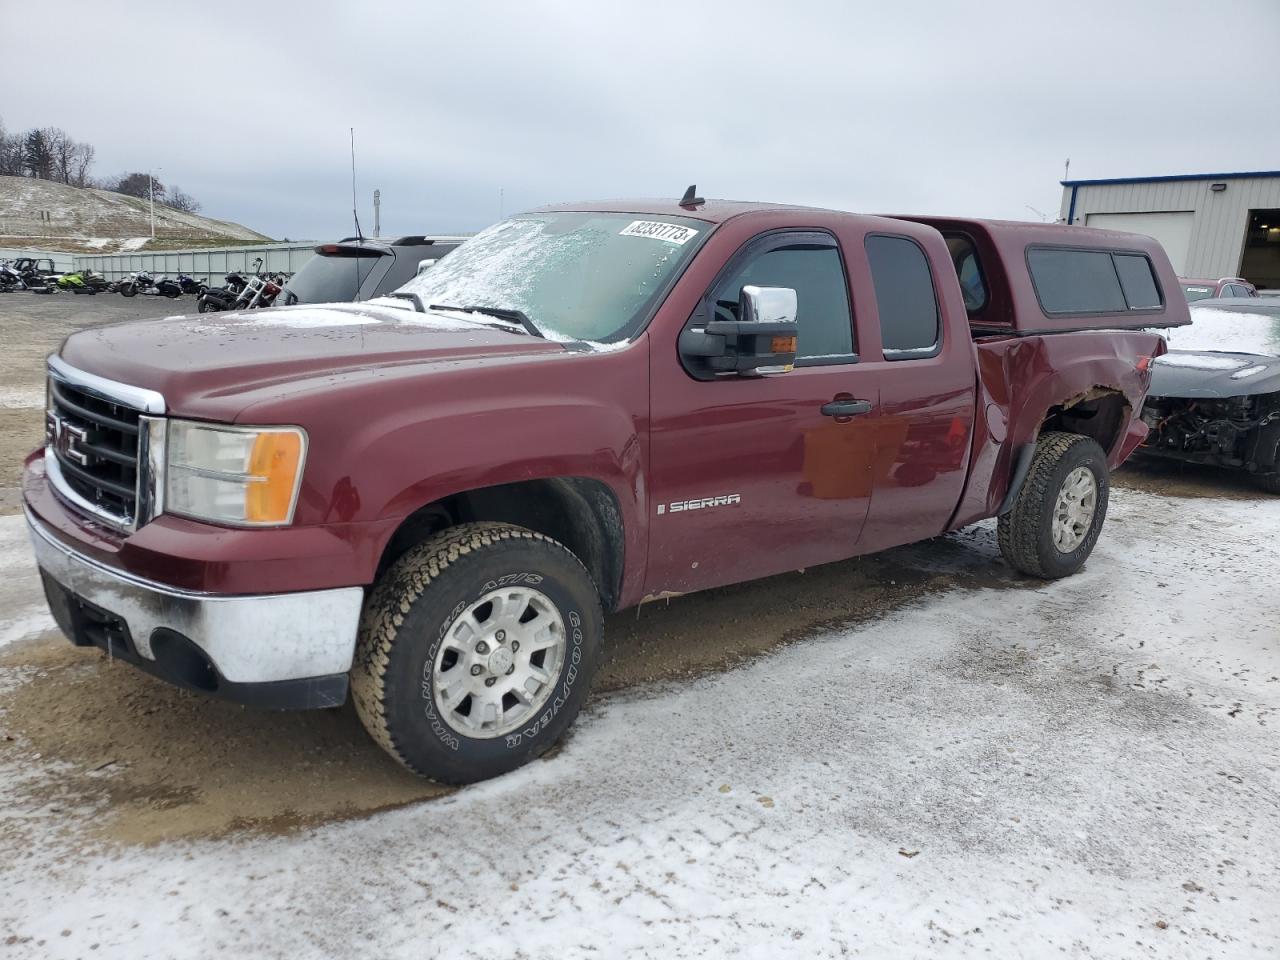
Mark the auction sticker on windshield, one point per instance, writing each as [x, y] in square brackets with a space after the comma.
[670, 232]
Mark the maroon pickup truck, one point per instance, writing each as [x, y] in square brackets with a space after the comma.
[429, 501]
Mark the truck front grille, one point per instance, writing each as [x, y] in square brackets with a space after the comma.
[95, 442]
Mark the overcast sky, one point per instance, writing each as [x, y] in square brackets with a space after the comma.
[928, 106]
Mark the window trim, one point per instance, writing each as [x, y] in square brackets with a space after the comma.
[909, 353]
[1112, 253]
[772, 240]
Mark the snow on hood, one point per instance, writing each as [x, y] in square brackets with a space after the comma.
[1202, 361]
[1255, 331]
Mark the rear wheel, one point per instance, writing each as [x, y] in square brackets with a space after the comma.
[476, 651]
[1059, 512]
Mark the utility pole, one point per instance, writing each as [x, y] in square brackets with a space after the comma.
[377, 213]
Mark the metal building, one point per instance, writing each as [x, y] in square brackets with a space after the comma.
[1211, 224]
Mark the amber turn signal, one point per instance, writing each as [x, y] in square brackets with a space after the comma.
[783, 345]
[273, 465]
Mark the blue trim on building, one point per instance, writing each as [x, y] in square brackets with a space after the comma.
[1171, 179]
[1071, 214]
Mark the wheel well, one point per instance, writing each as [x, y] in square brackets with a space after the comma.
[1100, 413]
[581, 513]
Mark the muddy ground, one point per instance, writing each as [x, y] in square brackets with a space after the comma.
[161, 763]
[32, 326]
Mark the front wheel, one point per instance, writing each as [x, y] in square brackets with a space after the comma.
[476, 651]
[129, 290]
[1058, 514]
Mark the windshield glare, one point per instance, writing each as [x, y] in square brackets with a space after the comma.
[1228, 331]
[578, 276]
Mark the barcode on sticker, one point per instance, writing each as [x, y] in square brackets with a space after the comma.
[656, 230]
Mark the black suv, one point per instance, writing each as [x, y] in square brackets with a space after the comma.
[358, 268]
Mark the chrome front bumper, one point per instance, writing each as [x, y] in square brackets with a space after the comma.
[286, 638]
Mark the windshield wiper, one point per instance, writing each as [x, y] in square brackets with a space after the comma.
[413, 298]
[509, 314]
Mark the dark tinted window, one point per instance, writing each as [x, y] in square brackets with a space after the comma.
[330, 279]
[1075, 281]
[904, 295]
[816, 274]
[965, 258]
[1137, 281]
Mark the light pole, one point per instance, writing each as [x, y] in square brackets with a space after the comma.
[151, 183]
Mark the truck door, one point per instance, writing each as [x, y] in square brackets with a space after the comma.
[753, 476]
[927, 391]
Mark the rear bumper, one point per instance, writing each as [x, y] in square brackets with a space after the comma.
[288, 650]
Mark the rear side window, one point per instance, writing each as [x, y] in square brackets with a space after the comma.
[1069, 280]
[972, 285]
[1137, 281]
[904, 295]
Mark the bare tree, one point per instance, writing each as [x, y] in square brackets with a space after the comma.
[61, 152]
[10, 153]
[137, 185]
[175, 198]
[80, 164]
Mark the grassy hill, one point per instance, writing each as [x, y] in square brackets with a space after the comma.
[54, 216]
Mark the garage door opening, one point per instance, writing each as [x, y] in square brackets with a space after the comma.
[1260, 264]
[1172, 230]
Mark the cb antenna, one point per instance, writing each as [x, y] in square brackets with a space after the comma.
[354, 216]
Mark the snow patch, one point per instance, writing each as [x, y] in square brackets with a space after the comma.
[1201, 361]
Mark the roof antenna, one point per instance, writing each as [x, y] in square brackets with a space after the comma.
[354, 216]
[691, 198]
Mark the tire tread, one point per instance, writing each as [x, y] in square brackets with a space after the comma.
[1018, 530]
[406, 581]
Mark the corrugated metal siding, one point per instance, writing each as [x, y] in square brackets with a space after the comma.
[1218, 233]
[210, 262]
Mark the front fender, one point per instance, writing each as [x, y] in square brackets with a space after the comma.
[382, 444]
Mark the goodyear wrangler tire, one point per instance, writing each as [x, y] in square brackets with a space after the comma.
[1058, 514]
[476, 651]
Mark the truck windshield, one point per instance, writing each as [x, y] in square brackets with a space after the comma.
[1194, 292]
[578, 276]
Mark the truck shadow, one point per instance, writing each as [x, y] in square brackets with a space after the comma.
[156, 763]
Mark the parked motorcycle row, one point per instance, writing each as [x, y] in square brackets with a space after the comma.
[239, 292]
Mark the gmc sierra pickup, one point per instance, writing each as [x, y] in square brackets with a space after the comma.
[428, 501]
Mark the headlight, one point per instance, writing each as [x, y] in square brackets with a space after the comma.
[245, 476]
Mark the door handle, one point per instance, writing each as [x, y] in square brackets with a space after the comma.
[844, 409]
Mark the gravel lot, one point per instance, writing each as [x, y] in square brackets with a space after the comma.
[905, 755]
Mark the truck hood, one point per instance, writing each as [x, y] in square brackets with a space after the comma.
[1206, 374]
[202, 363]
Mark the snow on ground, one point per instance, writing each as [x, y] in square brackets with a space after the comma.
[1087, 768]
[17, 398]
[23, 613]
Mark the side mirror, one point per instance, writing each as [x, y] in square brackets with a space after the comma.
[762, 342]
[424, 266]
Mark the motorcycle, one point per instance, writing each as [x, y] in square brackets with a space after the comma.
[143, 283]
[190, 284]
[10, 279]
[82, 281]
[226, 297]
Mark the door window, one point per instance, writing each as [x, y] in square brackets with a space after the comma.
[909, 323]
[816, 274]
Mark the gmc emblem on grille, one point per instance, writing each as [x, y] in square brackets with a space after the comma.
[67, 438]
